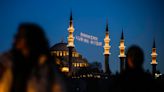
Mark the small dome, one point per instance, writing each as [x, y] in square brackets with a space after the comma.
[61, 47]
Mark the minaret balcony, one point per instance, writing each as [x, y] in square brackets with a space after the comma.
[122, 55]
[154, 62]
[154, 54]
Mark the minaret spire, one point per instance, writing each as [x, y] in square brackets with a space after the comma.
[107, 49]
[71, 19]
[71, 15]
[154, 44]
[122, 34]
[107, 25]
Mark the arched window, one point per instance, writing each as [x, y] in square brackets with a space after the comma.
[64, 54]
[78, 64]
[57, 53]
[60, 53]
[73, 54]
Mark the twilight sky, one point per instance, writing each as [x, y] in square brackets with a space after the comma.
[142, 20]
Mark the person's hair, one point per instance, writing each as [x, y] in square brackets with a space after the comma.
[37, 45]
[136, 55]
[35, 38]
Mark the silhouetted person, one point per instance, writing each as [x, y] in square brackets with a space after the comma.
[134, 78]
[28, 59]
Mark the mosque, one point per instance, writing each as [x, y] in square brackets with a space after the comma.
[60, 52]
[70, 61]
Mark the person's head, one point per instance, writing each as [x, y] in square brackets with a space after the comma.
[135, 57]
[30, 40]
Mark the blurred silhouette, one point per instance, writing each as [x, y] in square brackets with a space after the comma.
[28, 66]
[134, 78]
[30, 54]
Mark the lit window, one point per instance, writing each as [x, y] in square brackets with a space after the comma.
[57, 53]
[77, 64]
[63, 53]
[85, 64]
[72, 54]
[84, 75]
[65, 69]
[60, 53]
[74, 64]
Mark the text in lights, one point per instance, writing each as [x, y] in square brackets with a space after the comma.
[89, 39]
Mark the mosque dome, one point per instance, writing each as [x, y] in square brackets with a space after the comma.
[62, 46]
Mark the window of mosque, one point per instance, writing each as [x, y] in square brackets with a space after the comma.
[75, 55]
[67, 53]
[60, 53]
[65, 69]
[72, 54]
[74, 64]
[57, 53]
[81, 65]
[77, 64]
[64, 54]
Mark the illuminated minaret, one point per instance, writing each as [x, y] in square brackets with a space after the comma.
[107, 50]
[122, 53]
[154, 56]
[70, 44]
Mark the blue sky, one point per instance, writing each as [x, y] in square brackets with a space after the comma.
[142, 20]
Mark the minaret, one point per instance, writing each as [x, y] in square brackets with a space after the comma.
[107, 50]
[154, 56]
[70, 44]
[122, 53]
